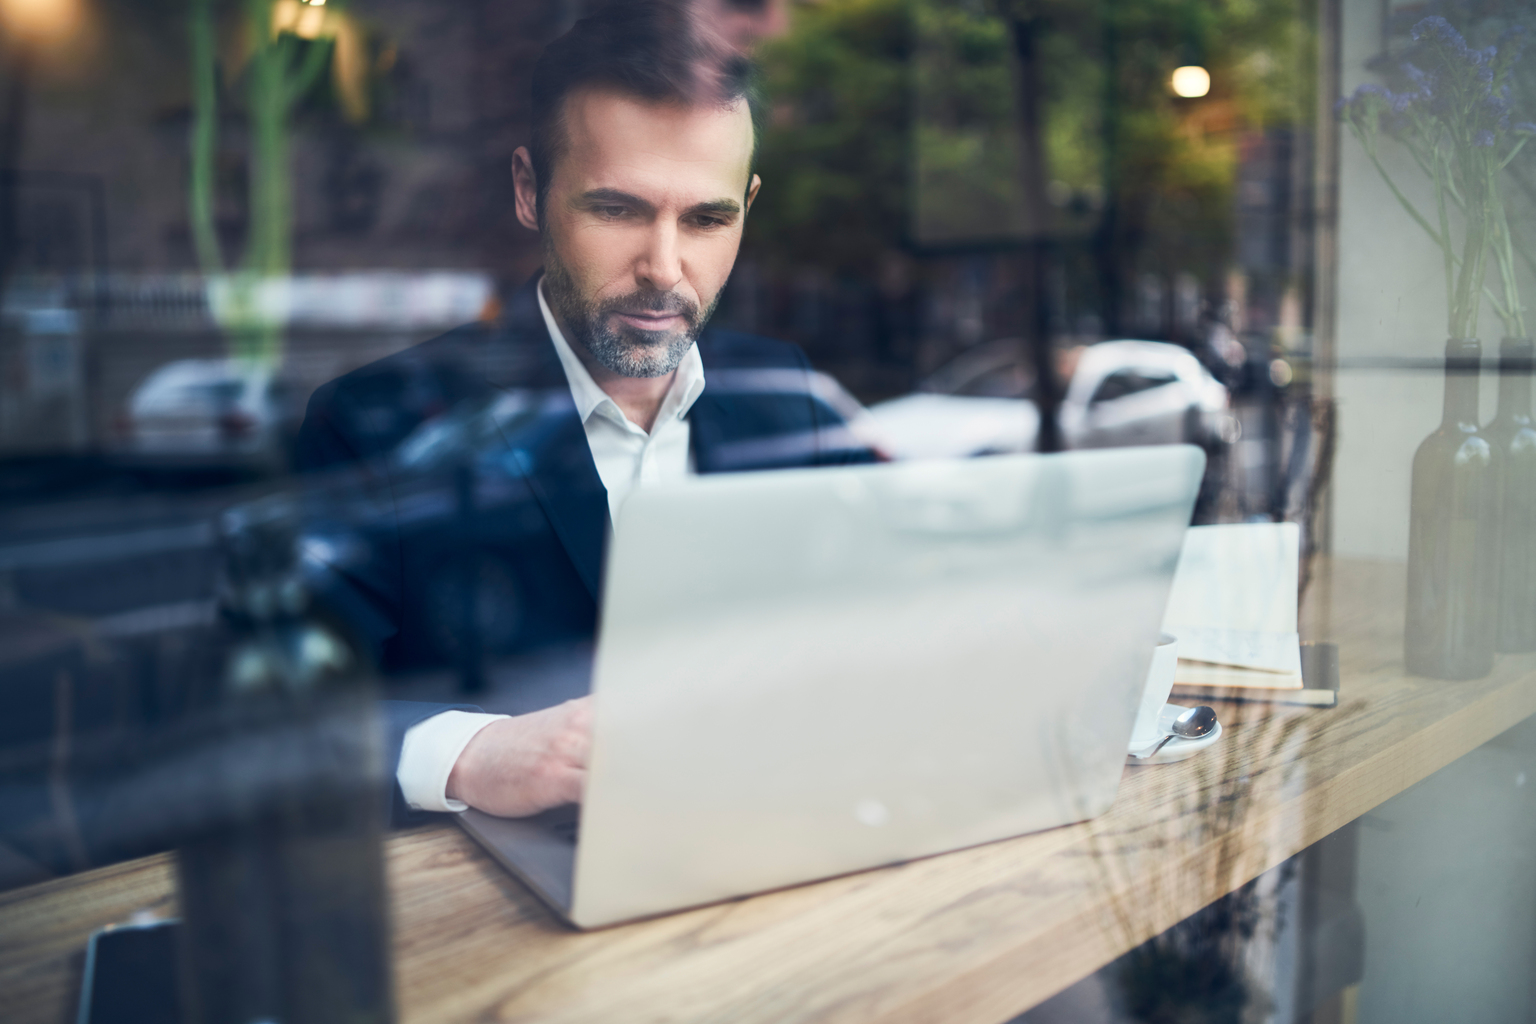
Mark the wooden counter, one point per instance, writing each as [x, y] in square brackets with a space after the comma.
[973, 936]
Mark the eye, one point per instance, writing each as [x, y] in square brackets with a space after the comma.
[710, 223]
[611, 212]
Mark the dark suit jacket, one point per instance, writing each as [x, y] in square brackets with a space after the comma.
[545, 513]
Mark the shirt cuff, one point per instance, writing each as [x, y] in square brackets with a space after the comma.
[427, 757]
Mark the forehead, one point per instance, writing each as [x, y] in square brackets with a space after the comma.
[654, 149]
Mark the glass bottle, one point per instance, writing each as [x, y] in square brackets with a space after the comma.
[282, 894]
[1514, 437]
[1452, 539]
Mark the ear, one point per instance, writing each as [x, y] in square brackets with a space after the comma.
[752, 188]
[526, 185]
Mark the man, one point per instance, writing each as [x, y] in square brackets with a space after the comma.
[638, 179]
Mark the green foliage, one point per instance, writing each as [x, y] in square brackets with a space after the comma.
[1173, 169]
[1074, 112]
[893, 115]
[965, 152]
[834, 153]
[280, 70]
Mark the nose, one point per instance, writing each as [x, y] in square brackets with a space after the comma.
[661, 264]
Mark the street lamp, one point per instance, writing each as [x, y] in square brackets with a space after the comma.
[39, 20]
[1190, 82]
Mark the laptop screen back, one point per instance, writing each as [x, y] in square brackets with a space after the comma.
[805, 673]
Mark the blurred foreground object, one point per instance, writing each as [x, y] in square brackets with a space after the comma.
[1453, 553]
[283, 901]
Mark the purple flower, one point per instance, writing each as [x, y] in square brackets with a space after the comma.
[1374, 108]
[1437, 29]
[1449, 85]
[1496, 109]
[1368, 101]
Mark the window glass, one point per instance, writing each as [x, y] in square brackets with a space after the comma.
[369, 365]
[1129, 382]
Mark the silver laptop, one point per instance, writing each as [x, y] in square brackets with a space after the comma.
[805, 673]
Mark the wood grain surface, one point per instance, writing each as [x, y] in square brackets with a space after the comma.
[973, 936]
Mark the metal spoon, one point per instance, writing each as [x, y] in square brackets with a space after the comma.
[1191, 725]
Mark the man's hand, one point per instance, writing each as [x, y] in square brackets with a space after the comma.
[527, 764]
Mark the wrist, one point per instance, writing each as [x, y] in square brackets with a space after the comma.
[429, 754]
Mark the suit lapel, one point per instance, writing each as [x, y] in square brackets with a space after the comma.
[709, 429]
[555, 459]
[711, 420]
[564, 479]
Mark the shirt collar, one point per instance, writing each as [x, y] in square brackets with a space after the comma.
[685, 390]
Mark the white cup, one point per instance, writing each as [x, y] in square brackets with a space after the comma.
[1155, 693]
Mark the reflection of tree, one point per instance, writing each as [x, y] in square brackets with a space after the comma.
[975, 161]
[894, 120]
[1168, 166]
[834, 153]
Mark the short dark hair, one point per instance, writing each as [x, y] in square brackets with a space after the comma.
[650, 49]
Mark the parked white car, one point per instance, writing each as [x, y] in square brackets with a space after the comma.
[206, 413]
[1118, 393]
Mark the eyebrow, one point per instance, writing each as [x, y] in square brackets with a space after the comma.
[613, 195]
[730, 206]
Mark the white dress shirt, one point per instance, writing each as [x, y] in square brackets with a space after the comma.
[626, 458]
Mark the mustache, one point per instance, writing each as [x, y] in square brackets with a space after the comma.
[669, 303]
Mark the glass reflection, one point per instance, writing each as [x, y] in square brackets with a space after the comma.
[342, 331]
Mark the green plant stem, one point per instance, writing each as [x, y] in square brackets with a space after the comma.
[1404, 200]
[1475, 173]
[1445, 244]
[205, 116]
[1514, 153]
[1512, 312]
[1488, 228]
[1522, 250]
[281, 70]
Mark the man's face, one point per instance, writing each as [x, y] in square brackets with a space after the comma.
[642, 221]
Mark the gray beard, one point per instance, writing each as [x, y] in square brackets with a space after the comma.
[623, 350]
